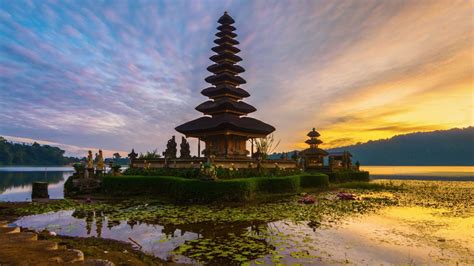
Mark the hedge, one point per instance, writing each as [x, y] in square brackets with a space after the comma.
[185, 190]
[222, 173]
[180, 189]
[341, 177]
[314, 180]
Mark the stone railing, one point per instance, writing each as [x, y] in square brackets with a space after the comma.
[222, 162]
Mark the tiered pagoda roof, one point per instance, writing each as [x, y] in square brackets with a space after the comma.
[313, 143]
[225, 108]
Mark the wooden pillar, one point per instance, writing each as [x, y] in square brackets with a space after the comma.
[226, 144]
[40, 190]
[199, 147]
[251, 147]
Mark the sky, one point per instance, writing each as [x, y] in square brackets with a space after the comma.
[118, 75]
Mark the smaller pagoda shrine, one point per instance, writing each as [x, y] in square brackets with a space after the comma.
[313, 156]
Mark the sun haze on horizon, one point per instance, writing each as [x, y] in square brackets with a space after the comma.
[124, 74]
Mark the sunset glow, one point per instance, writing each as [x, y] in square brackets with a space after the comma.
[120, 75]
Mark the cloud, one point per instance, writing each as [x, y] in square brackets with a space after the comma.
[122, 75]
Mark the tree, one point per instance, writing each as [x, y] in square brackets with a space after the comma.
[117, 156]
[266, 145]
[34, 154]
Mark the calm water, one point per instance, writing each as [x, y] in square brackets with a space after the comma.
[395, 235]
[447, 173]
[405, 234]
[15, 182]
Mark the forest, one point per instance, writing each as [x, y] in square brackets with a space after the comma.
[32, 154]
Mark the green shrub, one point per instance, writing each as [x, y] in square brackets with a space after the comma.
[314, 180]
[348, 176]
[180, 189]
[222, 173]
[284, 184]
[195, 190]
[180, 172]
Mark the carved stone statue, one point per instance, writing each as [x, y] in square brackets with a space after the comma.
[258, 154]
[90, 161]
[132, 155]
[184, 148]
[100, 161]
[170, 152]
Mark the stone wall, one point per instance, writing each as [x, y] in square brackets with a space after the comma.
[226, 163]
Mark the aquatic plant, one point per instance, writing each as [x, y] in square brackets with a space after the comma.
[307, 199]
[345, 196]
[225, 249]
[254, 222]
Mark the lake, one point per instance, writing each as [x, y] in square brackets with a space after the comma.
[448, 173]
[412, 222]
[15, 182]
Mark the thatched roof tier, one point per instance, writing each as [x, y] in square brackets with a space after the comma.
[226, 57]
[225, 124]
[315, 151]
[313, 133]
[225, 66]
[230, 34]
[225, 78]
[220, 91]
[226, 19]
[226, 28]
[225, 105]
[313, 141]
[225, 48]
[225, 40]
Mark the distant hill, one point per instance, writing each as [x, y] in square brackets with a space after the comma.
[34, 154]
[443, 147]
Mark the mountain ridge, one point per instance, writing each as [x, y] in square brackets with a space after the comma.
[441, 147]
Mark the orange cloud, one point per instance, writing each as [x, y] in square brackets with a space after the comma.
[407, 72]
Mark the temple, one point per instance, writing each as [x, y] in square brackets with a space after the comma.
[225, 127]
[314, 156]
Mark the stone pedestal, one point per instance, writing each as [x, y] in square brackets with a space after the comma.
[90, 172]
[40, 190]
[99, 173]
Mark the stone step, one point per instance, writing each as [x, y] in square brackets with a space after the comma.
[24, 248]
[97, 262]
[67, 256]
[21, 237]
[28, 257]
[9, 230]
[37, 245]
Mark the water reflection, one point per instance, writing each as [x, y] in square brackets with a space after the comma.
[15, 182]
[395, 235]
[446, 173]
